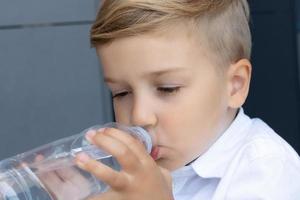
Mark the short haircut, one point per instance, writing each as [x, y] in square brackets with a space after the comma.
[222, 24]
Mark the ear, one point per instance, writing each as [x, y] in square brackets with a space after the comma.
[238, 82]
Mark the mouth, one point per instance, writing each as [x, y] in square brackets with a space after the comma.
[155, 152]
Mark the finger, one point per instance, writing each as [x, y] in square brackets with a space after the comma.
[76, 180]
[38, 158]
[133, 143]
[106, 174]
[71, 174]
[67, 173]
[51, 179]
[107, 196]
[119, 150]
[52, 183]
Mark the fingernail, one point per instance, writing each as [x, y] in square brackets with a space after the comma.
[82, 159]
[89, 135]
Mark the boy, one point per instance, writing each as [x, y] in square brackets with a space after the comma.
[181, 70]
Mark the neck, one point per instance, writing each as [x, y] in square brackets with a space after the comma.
[227, 121]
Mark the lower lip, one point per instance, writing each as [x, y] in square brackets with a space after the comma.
[154, 153]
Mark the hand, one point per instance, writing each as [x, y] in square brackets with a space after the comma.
[65, 183]
[139, 178]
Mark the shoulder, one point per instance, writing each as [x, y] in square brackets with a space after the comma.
[263, 142]
[265, 166]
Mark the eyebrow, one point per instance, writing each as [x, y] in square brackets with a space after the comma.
[152, 74]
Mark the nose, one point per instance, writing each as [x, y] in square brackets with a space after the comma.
[143, 113]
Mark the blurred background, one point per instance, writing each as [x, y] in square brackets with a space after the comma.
[50, 80]
[51, 84]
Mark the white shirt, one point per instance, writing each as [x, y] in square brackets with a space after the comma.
[249, 161]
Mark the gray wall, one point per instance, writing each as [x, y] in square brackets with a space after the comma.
[50, 79]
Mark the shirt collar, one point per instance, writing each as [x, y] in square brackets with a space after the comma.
[213, 163]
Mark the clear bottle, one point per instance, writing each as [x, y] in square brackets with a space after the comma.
[49, 171]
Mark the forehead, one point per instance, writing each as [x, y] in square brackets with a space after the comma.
[175, 47]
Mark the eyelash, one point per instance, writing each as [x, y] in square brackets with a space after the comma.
[165, 90]
[168, 90]
[119, 95]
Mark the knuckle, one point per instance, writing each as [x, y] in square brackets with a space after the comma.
[110, 131]
[132, 141]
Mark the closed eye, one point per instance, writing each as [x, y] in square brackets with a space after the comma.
[164, 90]
[120, 94]
[168, 90]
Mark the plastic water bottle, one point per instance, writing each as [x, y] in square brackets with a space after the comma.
[49, 171]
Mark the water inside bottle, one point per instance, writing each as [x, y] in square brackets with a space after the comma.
[24, 177]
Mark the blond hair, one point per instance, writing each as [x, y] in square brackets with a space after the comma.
[224, 23]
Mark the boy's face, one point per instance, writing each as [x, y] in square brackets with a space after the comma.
[166, 84]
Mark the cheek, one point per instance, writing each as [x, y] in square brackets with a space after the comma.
[121, 113]
[175, 120]
[193, 119]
